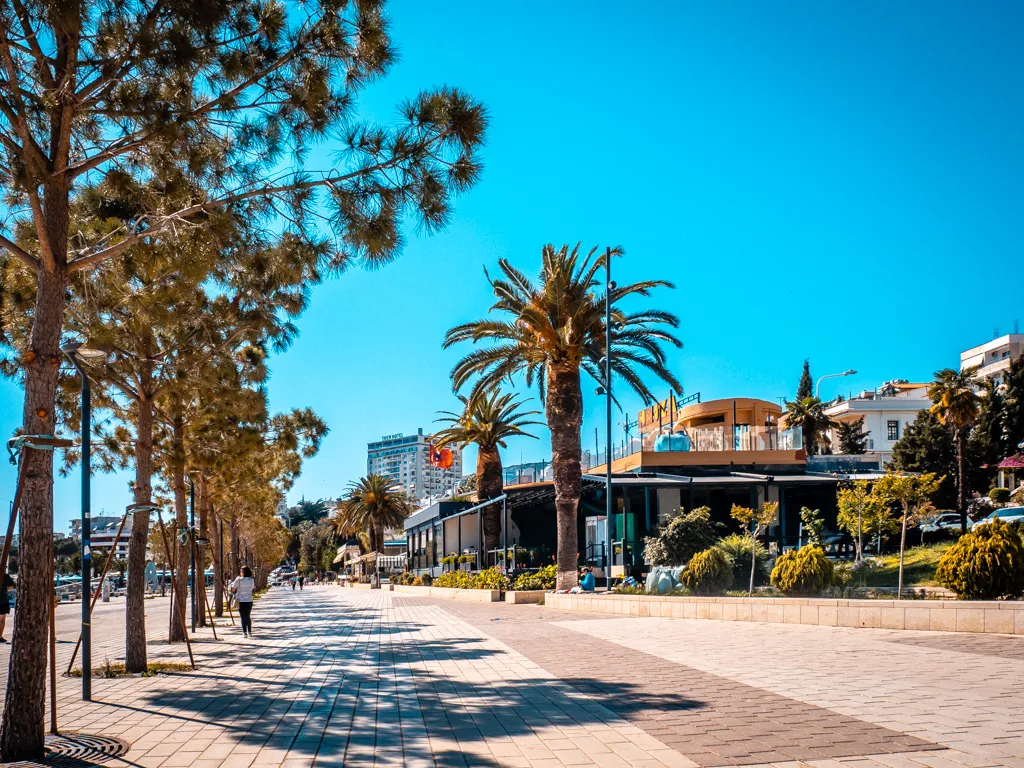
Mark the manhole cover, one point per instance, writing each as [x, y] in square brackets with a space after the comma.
[76, 750]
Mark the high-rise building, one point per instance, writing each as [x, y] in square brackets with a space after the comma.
[406, 459]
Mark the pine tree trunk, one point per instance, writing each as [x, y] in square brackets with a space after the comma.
[216, 541]
[200, 584]
[489, 485]
[178, 628]
[235, 564]
[135, 601]
[21, 727]
[564, 410]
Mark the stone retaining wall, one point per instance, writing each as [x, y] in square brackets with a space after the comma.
[471, 595]
[944, 615]
[525, 597]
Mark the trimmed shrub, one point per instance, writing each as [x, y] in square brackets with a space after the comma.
[805, 571]
[426, 580]
[454, 580]
[985, 564]
[737, 547]
[999, 495]
[684, 536]
[708, 572]
[542, 579]
[491, 578]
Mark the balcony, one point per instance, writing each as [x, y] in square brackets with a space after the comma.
[715, 445]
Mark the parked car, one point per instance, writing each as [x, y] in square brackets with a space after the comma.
[1006, 514]
[947, 521]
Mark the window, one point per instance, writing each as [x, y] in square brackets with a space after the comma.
[893, 430]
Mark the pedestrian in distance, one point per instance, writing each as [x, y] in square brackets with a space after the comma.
[293, 584]
[5, 603]
[242, 588]
[301, 581]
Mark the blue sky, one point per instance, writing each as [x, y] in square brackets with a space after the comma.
[838, 181]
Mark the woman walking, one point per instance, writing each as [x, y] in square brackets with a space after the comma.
[242, 588]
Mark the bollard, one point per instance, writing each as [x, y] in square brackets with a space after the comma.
[106, 591]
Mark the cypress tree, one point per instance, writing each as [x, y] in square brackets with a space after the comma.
[805, 388]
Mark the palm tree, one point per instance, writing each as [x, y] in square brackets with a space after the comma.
[487, 423]
[551, 330]
[957, 405]
[373, 504]
[808, 413]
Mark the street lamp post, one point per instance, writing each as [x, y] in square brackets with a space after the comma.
[76, 353]
[606, 390]
[817, 387]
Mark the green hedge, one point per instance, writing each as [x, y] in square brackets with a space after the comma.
[542, 579]
[491, 578]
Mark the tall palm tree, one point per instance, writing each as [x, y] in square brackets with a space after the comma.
[373, 504]
[957, 405]
[808, 413]
[550, 332]
[487, 422]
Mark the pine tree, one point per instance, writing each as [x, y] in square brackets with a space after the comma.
[1013, 409]
[927, 445]
[805, 388]
[853, 440]
[987, 443]
[105, 91]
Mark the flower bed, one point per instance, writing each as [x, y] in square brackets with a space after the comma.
[448, 593]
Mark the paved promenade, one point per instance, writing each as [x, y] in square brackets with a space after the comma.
[344, 677]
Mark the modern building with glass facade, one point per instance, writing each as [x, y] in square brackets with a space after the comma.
[734, 452]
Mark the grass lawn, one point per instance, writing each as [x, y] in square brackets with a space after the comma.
[919, 565]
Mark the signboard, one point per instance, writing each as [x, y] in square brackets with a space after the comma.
[662, 414]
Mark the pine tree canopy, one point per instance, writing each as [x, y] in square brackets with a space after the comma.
[153, 99]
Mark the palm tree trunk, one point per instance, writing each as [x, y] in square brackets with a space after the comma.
[489, 485]
[961, 485]
[564, 411]
[135, 658]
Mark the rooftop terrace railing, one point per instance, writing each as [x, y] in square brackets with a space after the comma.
[712, 438]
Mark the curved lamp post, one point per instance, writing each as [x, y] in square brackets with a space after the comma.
[817, 387]
[76, 353]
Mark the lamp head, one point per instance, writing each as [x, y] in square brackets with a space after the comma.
[82, 352]
[850, 372]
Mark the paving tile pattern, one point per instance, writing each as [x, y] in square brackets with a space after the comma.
[709, 719]
[999, 646]
[913, 682]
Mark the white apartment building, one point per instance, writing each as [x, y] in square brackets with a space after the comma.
[103, 532]
[993, 358]
[406, 459]
[887, 411]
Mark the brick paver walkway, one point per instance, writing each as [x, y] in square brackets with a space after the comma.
[347, 677]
